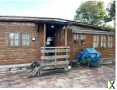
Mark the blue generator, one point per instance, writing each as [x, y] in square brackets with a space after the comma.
[89, 56]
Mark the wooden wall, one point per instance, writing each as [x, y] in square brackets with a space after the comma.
[88, 43]
[60, 37]
[10, 55]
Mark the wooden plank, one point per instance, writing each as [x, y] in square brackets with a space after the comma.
[54, 57]
[53, 50]
[66, 47]
[55, 63]
[65, 36]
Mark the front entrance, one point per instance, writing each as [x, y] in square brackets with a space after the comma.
[50, 36]
[54, 35]
[54, 55]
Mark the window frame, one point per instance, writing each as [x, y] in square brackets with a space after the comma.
[9, 40]
[25, 39]
[20, 40]
[96, 41]
[110, 41]
[78, 38]
[103, 41]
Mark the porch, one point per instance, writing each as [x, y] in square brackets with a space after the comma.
[55, 50]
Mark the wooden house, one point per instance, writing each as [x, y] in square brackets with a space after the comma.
[23, 38]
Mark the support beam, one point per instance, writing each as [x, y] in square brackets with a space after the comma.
[44, 35]
[65, 36]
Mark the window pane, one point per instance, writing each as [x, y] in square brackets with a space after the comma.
[82, 37]
[14, 39]
[16, 36]
[110, 43]
[75, 36]
[95, 41]
[25, 39]
[16, 43]
[104, 41]
[11, 43]
[11, 35]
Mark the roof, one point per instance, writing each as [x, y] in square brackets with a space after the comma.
[33, 19]
[76, 29]
[46, 20]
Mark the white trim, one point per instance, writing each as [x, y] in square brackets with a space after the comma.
[14, 65]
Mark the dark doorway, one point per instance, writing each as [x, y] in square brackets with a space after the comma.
[51, 34]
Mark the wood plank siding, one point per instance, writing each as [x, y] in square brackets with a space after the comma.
[88, 41]
[11, 55]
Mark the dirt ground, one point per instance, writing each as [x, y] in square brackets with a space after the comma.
[81, 77]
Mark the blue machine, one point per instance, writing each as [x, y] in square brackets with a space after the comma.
[89, 56]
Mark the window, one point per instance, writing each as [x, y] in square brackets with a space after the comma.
[78, 38]
[19, 39]
[25, 39]
[95, 41]
[110, 43]
[81, 39]
[74, 37]
[82, 36]
[14, 39]
[103, 41]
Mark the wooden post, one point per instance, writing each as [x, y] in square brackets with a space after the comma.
[65, 36]
[44, 35]
[55, 55]
[66, 41]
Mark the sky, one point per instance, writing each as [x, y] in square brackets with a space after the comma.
[42, 8]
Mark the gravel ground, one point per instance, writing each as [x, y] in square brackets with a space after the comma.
[81, 77]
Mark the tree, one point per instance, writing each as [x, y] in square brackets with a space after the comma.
[91, 12]
[111, 12]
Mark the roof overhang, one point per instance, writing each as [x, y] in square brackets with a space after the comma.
[34, 19]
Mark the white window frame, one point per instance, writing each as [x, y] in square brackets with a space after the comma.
[25, 39]
[95, 41]
[14, 39]
[82, 36]
[17, 39]
[75, 36]
[110, 41]
[103, 42]
[78, 37]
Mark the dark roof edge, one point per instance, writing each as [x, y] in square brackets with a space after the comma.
[27, 18]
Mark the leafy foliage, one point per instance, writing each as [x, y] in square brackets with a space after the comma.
[91, 12]
[107, 27]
